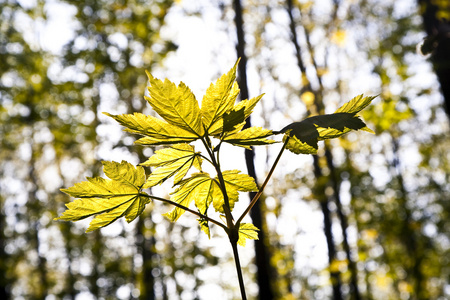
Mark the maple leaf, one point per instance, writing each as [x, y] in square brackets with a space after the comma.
[175, 104]
[247, 231]
[204, 190]
[248, 105]
[235, 118]
[250, 137]
[219, 98]
[298, 147]
[232, 119]
[200, 187]
[156, 131]
[234, 183]
[305, 135]
[356, 104]
[204, 226]
[107, 199]
[174, 161]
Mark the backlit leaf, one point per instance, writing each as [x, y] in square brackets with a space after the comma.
[232, 119]
[234, 182]
[355, 105]
[174, 161]
[219, 98]
[204, 226]
[306, 134]
[296, 146]
[107, 199]
[156, 131]
[250, 137]
[242, 182]
[199, 188]
[248, 106]
[247, 231]
[175, 104]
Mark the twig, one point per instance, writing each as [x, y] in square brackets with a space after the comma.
[249, 207]
[187, 209]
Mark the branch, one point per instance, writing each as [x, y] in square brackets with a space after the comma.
[252, 203]
[186, 209]
[226, 206]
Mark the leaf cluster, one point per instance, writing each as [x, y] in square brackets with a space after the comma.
[218, 120]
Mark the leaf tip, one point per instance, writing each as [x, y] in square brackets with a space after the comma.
[149, 76]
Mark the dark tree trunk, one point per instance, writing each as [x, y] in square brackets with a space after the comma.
[145, 248]
[262, 253]
[438, 42]
[33, 206]
[320, 189]
[327, 225]
[410, 236]
[4, 292]
[356, 295]
[70, 291]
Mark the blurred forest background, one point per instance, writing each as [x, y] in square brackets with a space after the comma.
[367, 218]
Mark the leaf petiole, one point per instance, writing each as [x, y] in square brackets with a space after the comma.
[198, 214]
[252, 203]
[226, 206]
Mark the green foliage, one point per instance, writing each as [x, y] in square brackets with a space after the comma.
[219, 118]
[183, 121]
[304, 135]
[175, 104]
[109, 200]
[174, 161]
[49, 110]
[247, 231]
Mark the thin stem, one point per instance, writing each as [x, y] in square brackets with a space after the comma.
[252, 203]
[207, 159]
[238, 269]
[226, 206]
[186, 209]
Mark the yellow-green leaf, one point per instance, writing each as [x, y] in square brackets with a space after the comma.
[247, 231]
[157, 131]
[355, 105]
[174, 161]
[296, 146]
[219, 98]
[107, 199]
[234, 183]
[306, 134]
[204, 226]
[247, 106]
[175, 104]
[199, 188]
[124, 172]
[232, 119]
[250, 137]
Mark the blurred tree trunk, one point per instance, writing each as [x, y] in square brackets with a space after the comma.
[335, 183]
[410, 231]
[262, 252]
[34, 212]
[320, 188]
[69, 288]
[436, 22]
[327, 226]
[4, 281]
[145, 248]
